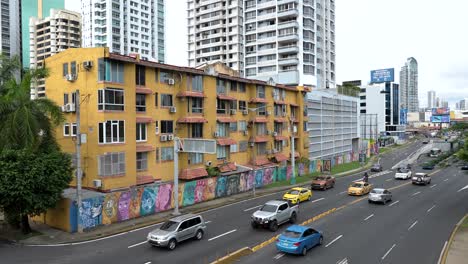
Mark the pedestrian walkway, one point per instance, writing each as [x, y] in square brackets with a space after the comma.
[457, 248]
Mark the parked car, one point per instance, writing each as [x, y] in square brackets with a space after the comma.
[298, 239]
[274, 213]
[177, 230]
[464, 167]
[379, 195]
[403, 174]
[359, 188]
[323, 182]
[426, 141]
[297, 195]
[421, 178]
[428, 166]
[376, 167]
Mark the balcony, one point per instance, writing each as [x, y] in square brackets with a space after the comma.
[288, 77]
[266, 28]
[290, 37]
[266, 16]
[266, 63]
[266, 40]
[288, 61]
[266, 4]
[288, 24]
[288, 13]
[288, 49]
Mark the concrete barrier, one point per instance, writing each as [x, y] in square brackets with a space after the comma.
[234, 256]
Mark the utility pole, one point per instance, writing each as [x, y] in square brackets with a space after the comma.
[176, 176]
[293, 151]
[79, 173]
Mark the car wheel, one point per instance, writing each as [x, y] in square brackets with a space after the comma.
[369, 201]
[254, 225]
[321, 240]
[172, 244]
[199, 235]
[308, 198]
[304, 251]
[273, 226]
[293, 218]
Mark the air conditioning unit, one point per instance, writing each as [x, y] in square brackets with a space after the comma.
[216, 134]
[170, 81]
[173, 109]
[97, 183]
[268, 113]
[170, 137]
[70, 107]
[246, 133]
[63, 108]
[245, 112]
[252, 144]
[163, 138]
[70, 77]
[87, 65]
[275, 134]
[233, 111]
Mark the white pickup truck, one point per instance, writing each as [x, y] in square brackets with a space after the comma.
[274, 213]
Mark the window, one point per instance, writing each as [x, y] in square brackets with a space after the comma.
[222, 152]
[166, 100]
[156, 99]
[167, 154]
[278, 145]
[195, 158]
[110, 71]
[73, 67]
[261, 129]
[140, 102]
[66, 129]
[280, 110]
[242, 105]
[65, 98]
[111, 164]
[233, 86]
[74, 129]
[111, 99]
[233, 148]
[112, 131]
[233, 126]
[196, 130]
[156, 127]
[220, 86]
[164, 77]
[141, 132]
[242, 125]
[197, 105]
[233, 104]
[278, 128]
[142, 161]
[221, 106]
[167, 127]
[261, 109]
[197, 83]
[243, 146]
[241, 87]
[304, 126]
[222, 129]
[65, 69]
[260, 91]
[283, 207]
[140, 78]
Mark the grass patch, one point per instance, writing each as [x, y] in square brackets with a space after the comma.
[299, 180]
[465, 223]
[345, 167]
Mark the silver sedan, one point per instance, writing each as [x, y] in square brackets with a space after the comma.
[379, 195]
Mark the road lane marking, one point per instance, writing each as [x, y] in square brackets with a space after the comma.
[227, 233]
[388, 180]
[334, 240]
[442, 252]
[343, 192]
[433, 186]
[343, 261]
[416, 193]
[430, 209]
[388, 252]
[246, 210]
[207, 222]
[137, 244]
[412, 225]
[149, 262]
[278, 256]
[446, 180]
[392, 204]
[367, 218]
[464, 188]
[318, 200]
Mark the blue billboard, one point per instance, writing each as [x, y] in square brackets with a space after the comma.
[440, 111]
[383, 75]
[440, 119]
[403, 116]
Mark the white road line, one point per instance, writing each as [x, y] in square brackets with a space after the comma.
[343, 192]
[446, 180]
[318, 200]
[334, 240]
[442, 253]
[246, 210]
[278, 256]
[227, 233]
[464, 188]
[430, 209]
[416, 193]
[412, 225]
[388, 252]
[343, 261]
[137, 244]
[432, 186]
[388, 179]
[392, 204]
[149, 262]
[367, 218]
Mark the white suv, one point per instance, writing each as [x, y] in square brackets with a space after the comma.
[421, 178]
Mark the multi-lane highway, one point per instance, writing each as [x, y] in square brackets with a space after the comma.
[412, 229]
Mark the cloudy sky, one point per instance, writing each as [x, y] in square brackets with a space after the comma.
[376, 34]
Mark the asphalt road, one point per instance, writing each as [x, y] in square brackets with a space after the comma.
[229, 228]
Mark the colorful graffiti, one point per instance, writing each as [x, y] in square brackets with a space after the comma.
[258, 178]
[148, 200]
[91, 212]
[189, 193]
[123, 212]
[232, 185]
[164, 198]
[110, 208]
[135, 202]
[267, 176]
[301, 169]
[221, 187]
[200, 190]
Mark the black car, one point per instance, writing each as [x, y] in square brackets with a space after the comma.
[428, 166]
[376, 168]
[404, 167]
[464, 167]
[425, 142]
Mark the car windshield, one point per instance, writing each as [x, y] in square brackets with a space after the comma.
[293, 192]
[169, 226]
[292, 234]
[377, 191]
[356, 185]
[404, 170]
[320, 178]
[376, 166]
[268, 208]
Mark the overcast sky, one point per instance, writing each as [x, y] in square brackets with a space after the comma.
[376, 34]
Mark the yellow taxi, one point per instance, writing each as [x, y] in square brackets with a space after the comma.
[359, 188]
[297, 195]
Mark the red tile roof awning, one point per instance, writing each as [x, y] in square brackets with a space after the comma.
[226, 141]
[260, 139]
[144, 119]
[280, 102]
[192, 119]
[260, 120]
[293, 104]
[295, 120]
[296, 154]
[227, 167]
[225, 97]
[144, 148]
[258, 100]
[143, 90]
[281, 120]
[280, 157]
[225, 119]
[144, 179]
[280, 138]
[190, 94]
[190, 174]
[260, 161]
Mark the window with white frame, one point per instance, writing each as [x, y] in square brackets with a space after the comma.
[197, 105]
[111, 99]
[233, 126]
[222, 129]
[195, 158]
[166, 100]
[222, 152]
[141, 132]
[69, 129]
[111, 164]
[140, 102]
[197, 83]
[261, 148]
[234, 148]
[261, 129]
[66, 129]
[260, 91]
[279, 146]
[167, 154]
[112, 131]
[167, 127]
[261, 109]
[142, 161]
[242, 125]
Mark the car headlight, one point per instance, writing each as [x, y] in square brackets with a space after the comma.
[148, 237]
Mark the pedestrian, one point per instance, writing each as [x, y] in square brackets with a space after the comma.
[366, 177]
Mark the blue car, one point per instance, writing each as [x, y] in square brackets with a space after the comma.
[298, 239]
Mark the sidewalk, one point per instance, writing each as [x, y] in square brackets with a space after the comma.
[457, 247]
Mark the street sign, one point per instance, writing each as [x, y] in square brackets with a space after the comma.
[197, 145]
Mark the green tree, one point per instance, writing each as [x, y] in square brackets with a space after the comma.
[31, 183]
[9, 68]
[463, 152]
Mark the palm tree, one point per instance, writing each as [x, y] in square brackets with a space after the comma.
[25, 123]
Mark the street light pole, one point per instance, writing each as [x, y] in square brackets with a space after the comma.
[293, 158]
[78, 160]
[176, 176]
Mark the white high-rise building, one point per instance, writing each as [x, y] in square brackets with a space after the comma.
[125, 26]
[10, 37]
[409, 85]
[431, 99]
[289, 41]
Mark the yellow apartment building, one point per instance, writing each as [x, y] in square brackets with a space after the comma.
[132, 109]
